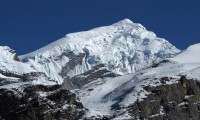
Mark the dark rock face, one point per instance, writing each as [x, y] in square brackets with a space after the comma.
[74, 60]
[179, 101]
[38, 102]
[16, 58]
[95, 73]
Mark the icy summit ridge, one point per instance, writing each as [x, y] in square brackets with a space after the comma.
[127, 22]
[125, 25]
[124, 47]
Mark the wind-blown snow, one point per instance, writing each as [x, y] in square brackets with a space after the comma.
[124, 47]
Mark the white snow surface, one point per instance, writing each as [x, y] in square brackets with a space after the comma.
[190, 59]
[190, 55]
[100, 95]
[8, 64]
[124, 47]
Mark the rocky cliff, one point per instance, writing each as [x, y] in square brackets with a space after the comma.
[180, 101]
[39, 102]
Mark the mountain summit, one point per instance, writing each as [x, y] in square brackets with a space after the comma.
[124, 47]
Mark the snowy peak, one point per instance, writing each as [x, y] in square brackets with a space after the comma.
[127, 23]
[95, 64]
[124, 22]
[123, 47]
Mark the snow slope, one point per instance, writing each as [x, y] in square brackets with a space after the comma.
[124, 47]
[99, 96]
[190, 59]
[8, 64]
[190, 55]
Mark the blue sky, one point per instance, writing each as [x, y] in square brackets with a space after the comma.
[26, 25]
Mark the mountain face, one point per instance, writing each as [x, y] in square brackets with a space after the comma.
[118, 72]
[173, 81]
[27, 94]
[122, 48]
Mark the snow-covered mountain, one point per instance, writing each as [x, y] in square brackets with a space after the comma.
[119, 72]
[124, 47]
[127, 89]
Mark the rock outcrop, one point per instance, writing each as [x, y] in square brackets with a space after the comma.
[98, 71]
[179, 101]
[39, 102]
